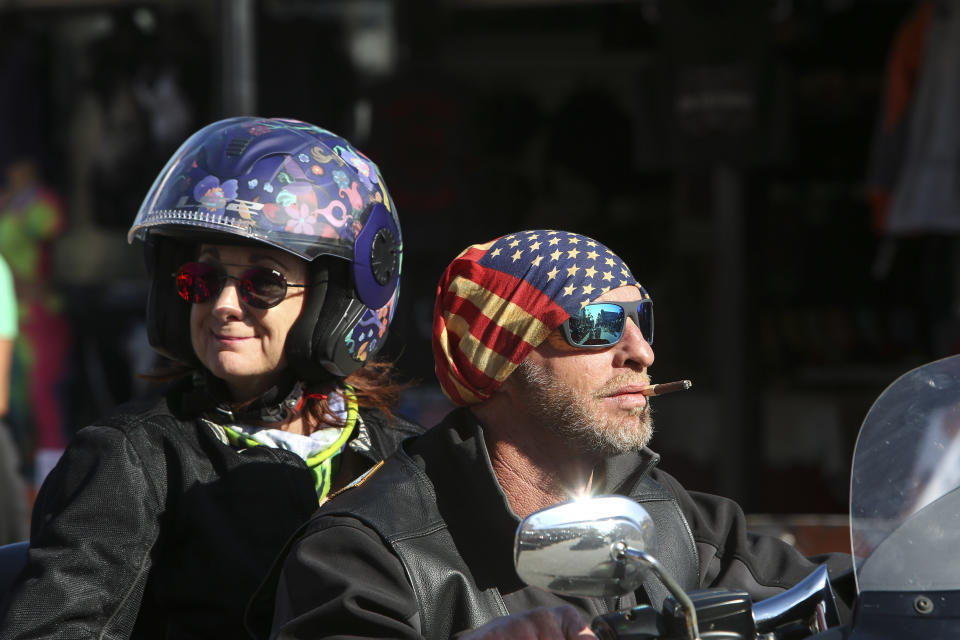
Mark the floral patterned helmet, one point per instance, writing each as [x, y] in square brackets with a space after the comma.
[296, 187]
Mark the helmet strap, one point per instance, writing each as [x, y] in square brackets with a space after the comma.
[277, 404]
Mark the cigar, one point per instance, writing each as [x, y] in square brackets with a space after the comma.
[667, 387]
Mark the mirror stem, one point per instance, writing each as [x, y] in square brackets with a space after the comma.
[620, 551]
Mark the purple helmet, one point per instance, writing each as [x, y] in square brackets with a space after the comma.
[296, 187]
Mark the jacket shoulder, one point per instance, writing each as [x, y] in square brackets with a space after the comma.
[394, 498]
[730, 555]
[145, 419]
[386, 434]
[401, 426]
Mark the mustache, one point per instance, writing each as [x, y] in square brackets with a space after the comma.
[624, 380]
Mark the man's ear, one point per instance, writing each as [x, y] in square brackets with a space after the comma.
[501, 404]
[511, 396]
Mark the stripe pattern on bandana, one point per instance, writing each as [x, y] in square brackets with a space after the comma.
[497, 301]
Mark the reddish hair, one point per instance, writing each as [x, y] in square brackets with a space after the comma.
[375, 386]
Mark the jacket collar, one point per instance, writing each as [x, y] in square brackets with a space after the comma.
[623, 472]
[460, 457]
[462, 434]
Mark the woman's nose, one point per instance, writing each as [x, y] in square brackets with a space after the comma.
[227, 303]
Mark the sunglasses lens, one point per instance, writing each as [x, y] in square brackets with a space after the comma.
[198, 282]
[645, 320]
[259, 287]
[598, 324]
[262, 288]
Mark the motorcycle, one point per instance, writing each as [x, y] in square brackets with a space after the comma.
[904, 531]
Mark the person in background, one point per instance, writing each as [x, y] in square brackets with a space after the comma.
[544, 340]
[274, 252]
[13, 490]
[31, 219]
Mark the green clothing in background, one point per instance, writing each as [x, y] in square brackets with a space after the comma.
[8, 303]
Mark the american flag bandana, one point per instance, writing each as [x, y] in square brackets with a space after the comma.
[499, 300]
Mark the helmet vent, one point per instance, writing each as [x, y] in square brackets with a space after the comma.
[238, 145]
[384, 256]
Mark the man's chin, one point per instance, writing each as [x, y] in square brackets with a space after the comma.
[632, 435]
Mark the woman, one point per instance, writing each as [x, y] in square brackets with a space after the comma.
[274, 252]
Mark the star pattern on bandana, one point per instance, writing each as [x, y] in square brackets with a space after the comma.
[570, 268]
[498, 300]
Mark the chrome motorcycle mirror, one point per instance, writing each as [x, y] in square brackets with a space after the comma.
[593, 547]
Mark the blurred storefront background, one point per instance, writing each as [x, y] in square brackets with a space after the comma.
[729, 151]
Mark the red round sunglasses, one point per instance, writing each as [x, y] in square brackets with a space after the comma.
[259, 287]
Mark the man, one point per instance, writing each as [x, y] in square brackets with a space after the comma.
[544, 339]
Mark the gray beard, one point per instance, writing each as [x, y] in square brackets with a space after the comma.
[577, 418]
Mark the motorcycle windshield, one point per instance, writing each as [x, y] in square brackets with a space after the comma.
[904, 497]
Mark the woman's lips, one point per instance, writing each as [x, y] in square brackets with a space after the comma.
[230, 339]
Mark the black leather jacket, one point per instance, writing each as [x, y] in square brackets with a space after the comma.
[153, 526]
[422, 548]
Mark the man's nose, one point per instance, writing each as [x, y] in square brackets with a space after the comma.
[633, 348]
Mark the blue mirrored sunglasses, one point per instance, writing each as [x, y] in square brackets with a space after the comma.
[602, 324]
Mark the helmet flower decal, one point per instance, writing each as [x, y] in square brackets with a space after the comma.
[287, 198]
[370, 330]
[365, 171]
[301, 219]
[364, 337]
[341, 179]
[213, 195]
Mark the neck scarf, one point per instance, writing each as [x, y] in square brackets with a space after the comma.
[320, 450]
